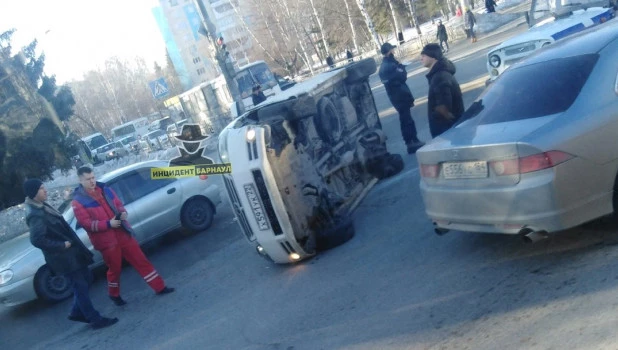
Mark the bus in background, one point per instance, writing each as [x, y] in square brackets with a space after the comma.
[136, 128]
[256, 73]
[91, 143]
[207, 105]
[95, 141]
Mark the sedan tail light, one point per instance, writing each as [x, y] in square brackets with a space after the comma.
[529, 164]
[430, 170]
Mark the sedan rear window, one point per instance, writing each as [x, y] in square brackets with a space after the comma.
[533, 91]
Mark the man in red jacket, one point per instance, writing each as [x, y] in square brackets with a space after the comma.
[101, 213]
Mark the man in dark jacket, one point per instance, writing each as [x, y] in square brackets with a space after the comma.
[469, 22]
[65, 254]
[257, 95]
[490, 6]
[393, 75]
[442, 36]
[444, 99]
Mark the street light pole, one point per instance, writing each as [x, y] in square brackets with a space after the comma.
[221, 55]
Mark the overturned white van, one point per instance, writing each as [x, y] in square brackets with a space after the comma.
[303, 160]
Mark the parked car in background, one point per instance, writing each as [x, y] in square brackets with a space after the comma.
[537, 152]
[155, 207]
[160, 124]
[131, 144]
[117, 151]
[157, 140]
[110, 151]
[542, 34]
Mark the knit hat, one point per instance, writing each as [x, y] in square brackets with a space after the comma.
[386, 48]
[433, 51]
[31, 187]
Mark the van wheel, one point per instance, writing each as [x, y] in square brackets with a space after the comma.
[51, 288]
[197, 214]
[327, 121]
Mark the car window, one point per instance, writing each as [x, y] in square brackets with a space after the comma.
[533, 91]
[140, 184]
[121, 190]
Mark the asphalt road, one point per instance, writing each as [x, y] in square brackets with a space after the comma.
[395, 285]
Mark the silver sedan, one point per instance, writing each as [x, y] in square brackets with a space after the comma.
[538, 151]
[155, 207]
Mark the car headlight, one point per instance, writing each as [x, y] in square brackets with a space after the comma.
[495, 61]
[223, 154]
[250, 134]
[6, 276]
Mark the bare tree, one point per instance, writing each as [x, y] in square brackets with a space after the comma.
[369, 23]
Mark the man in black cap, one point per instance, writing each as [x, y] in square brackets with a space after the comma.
[257, 95]
[393, 75]
[65, 254]
[444, 99]
[190, 151]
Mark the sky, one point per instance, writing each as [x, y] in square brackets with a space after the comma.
[78, 35]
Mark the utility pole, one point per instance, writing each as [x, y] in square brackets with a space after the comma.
[221, 55]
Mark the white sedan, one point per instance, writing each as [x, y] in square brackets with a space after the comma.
[542, 34]
[154, 206]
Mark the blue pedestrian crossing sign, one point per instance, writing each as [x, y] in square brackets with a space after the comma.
[159, 88]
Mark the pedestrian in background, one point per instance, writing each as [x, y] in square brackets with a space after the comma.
[100, 212]
[444, 98]
[393, 75]
[257, 95]
[330, 61]
[349, 56]
[442, 36]
[469, 22]
[64, 252]
[490, 6]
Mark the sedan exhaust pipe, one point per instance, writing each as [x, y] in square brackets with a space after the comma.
[532, 236]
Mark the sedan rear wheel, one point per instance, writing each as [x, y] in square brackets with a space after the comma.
[50, 287]
[197, 214]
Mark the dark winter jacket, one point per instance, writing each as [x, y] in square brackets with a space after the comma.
[444, 92]
[94, 218]
[442, 35]
[490, 5]
[469, 19]
[393, 75]
[259, 98]
[48, 232]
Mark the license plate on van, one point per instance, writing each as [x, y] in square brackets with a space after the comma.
[465, 170]
[256, 207]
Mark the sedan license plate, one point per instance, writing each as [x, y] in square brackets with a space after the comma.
[465, 170]
[257, 207]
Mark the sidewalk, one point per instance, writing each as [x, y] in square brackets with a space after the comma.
[461, 46]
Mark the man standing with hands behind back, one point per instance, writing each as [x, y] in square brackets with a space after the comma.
[393, 75]
[64, 252]
[100, 212]
[444, 99]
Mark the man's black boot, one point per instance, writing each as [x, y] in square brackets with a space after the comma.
[104, 322]
[118, 300]
[413, 146]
